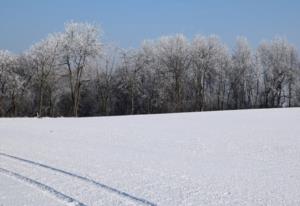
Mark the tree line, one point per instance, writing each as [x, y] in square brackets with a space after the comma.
[72, 73]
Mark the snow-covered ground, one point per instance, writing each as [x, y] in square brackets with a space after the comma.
[249, 157]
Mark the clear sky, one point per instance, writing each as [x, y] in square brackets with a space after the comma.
[128, 22]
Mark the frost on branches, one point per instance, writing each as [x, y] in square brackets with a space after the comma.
[72, 73]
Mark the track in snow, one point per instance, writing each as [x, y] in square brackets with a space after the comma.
[97, 184]
[43, 187]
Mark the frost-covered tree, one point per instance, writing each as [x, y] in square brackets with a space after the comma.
[129, 82]
[72, 73]
[278, 62]
[174, 58]
[45, 56]
[209, 66]
[153, 96]
[80, 44]
[6, 78]
[104, 80]
[242, 76]
[13, 84]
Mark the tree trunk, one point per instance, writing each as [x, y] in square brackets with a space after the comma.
[41, 99]
[290, 94]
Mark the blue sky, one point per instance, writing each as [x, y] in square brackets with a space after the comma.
[128, 22]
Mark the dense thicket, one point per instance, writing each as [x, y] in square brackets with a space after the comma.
[73, 74]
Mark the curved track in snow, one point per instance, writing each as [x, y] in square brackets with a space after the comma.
[59, 195]
[85, 179]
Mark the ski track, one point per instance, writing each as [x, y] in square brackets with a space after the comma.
[67, 199]
[97, 184]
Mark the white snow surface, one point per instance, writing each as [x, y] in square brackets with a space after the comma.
[248, 157]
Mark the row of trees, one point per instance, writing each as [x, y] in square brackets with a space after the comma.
[73, 74]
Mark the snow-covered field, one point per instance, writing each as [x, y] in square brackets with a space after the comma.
[249, 157]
